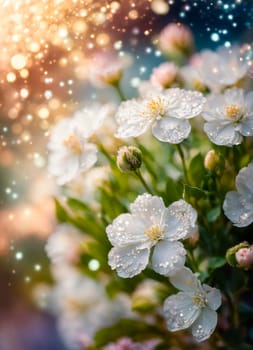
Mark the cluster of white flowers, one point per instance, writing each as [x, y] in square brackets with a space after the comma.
[150, 228]
[70, 151]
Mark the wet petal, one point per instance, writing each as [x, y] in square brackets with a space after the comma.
[148, 209]
[184, 104]
[179, 220]
[235, 209]
[168, 257]
[131, 119]
[244, 181]
[222, 133]
[213, 297]
[129, 260]
[171, 130]
[126, 229]
[185, 280]
[180, 311]
[246, 126]
[205, 324]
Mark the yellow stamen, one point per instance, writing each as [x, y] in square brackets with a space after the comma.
[73, 143]
[233, 112]
[156, 107]
[154, 233]
[200, 301]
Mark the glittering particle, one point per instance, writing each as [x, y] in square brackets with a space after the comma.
[215, 37]
[18, 61]
[93, 265]
[160, 7]
[19, 256]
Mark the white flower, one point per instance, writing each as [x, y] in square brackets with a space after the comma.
[194, 306]
[84, 308]
[222, 68]
[167, 113]
[107, 68]
[229, 116]
[164, 75]
[70, 153]
[238, 205]
[63, 246]
[150, 224]
[176, 40]
[85, 185]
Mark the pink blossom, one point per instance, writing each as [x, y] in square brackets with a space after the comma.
[244, 257]
[164, 75]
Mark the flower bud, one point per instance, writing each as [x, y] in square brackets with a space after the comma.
[231, 253]
[176, 41]
[244, 257]
[129, 158]
[212, 160]
[164, 75]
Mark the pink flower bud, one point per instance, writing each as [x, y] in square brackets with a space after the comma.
[176, 40]
[244, 257]
[164, 75]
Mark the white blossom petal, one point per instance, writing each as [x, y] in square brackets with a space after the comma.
[168, 257]
[213, 297]
[131, 119]
[88, 157]
[185, 280]
[126, 229]
[205, 324]
[179, 220]
[246, 126]
[171, 130]
[184, 104]
[222, 133]
[234, 208]
[180, 311]
[148, 208]
[129, 260]
[64, 169]
[244, 181]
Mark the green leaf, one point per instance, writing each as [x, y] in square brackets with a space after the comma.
[196, 169]
[172, 192]
[61, 212]
[213, 214]
[215, 262]
[76, 205]
[134, 329]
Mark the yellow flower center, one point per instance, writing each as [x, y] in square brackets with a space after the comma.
[200, 301]
[156, 107]
[73, 143]
[154, 233]
[233, 112]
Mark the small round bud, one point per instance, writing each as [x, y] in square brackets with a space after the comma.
[129, 158]
[212, 160]
[176, 42]
[244, 257]
[231, 253]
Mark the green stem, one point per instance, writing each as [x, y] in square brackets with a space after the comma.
[119, 91]
[193, 261]
[141, 178]
[181, 153]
